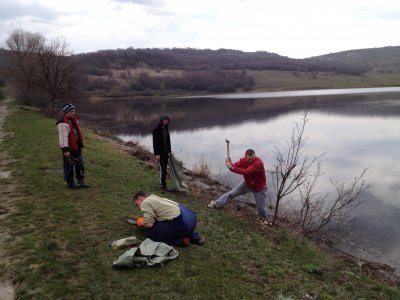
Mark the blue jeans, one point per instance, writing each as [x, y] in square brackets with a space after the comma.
[75, 161]
[241, 189]
[173, 231]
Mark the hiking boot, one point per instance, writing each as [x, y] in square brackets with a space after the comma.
[82, 184]
[196, 239]
[73, 185]
[212, 204]
[200, 241]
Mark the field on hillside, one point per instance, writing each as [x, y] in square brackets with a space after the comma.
[289, 80]
[118, 82]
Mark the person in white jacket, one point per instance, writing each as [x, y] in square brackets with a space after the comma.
[71, 143]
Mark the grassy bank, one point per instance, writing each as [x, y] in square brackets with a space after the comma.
[58, 245]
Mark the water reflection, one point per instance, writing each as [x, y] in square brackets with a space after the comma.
[373, 232]
[138, 116]
[307, 93]
[357, 131]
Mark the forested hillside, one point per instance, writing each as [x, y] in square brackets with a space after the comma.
[125, 72]
[199, 60]
[146, 71]
[384, 60]
[3, 62]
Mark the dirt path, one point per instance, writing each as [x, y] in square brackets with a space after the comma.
[6, 196]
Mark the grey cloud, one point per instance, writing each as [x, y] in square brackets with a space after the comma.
[389, 15]
[383, 13]
[144, 2]
[10, 10]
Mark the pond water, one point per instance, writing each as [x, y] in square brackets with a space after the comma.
[357, 128]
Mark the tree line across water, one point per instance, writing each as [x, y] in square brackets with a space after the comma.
[206, 70]
[190, 59]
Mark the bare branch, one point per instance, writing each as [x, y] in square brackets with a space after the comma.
[317, 212]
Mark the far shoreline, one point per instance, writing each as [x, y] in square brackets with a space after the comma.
[256, 94]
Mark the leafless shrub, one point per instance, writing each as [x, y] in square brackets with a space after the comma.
[291, 169]
[293, 172]
[200, 167]
[318, 211]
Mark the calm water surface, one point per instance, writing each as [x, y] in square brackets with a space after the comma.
[357, 130]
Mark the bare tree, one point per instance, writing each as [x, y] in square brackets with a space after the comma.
[57, 79]
[22, 68]
[295, 172]
[291, 169]
[41, 69]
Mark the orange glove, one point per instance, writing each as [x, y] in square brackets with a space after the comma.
[140, 222]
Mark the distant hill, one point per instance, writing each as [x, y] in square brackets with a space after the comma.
[3, 62]
[158, 71]
[353, 62]
[154, 71]
[189, 59]
[383, 60]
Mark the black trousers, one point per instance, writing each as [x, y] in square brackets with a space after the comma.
[162, 164]
[75, 161]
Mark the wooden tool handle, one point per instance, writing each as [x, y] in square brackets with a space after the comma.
[227, 148]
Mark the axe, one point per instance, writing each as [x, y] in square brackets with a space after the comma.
[129, 220]
[227, 148]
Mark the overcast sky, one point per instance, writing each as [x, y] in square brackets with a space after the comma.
[294, 28]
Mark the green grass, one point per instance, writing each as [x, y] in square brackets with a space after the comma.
[59, 244]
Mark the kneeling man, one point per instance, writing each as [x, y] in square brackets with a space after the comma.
[166, 221]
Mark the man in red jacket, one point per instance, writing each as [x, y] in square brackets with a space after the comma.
[252, 169]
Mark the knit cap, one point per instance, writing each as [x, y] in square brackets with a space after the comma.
[67, 108]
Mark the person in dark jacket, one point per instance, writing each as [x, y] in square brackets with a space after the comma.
[162, 148]
[255, 182]
[71, 143]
